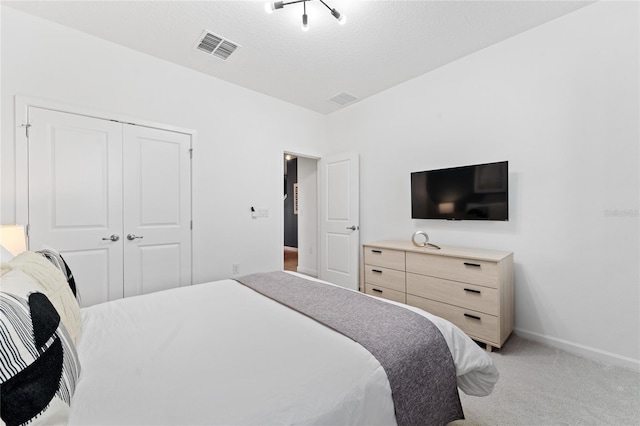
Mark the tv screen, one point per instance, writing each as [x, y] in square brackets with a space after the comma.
[477, 192]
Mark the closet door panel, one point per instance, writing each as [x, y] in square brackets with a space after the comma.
[91, 270]
[159, 171]
[80, 177]
[161, 267]
[75, 197]
[157, 209]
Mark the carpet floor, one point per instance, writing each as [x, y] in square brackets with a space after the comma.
[542, 385]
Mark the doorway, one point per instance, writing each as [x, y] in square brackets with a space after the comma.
[300, 205]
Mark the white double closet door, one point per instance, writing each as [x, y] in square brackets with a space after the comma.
[114, 199]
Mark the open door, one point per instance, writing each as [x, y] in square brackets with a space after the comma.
[339, 185]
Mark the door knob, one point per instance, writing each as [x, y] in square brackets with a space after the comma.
[352, 227]
[114, 238]
[132, 237]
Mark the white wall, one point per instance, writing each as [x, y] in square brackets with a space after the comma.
[560, 103]
[241, 134]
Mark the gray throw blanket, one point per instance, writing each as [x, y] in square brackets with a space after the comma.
[409, 347]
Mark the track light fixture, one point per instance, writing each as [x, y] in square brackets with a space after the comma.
[271, 7]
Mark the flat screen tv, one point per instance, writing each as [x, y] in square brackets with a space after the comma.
[476, 192]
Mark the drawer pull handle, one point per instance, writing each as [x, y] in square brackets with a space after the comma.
[376, 251]
[470, 290]
[472, 317]
[377, 271]
[376, 290]
[475, 265]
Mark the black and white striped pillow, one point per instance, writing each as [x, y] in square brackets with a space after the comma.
[58, 261]
[39, 366]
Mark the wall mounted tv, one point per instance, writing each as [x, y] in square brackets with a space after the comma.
[477, 192]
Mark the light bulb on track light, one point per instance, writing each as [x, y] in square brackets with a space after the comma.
[342, 18]
[271, 7]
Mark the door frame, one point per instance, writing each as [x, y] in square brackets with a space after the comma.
[22, 103]
[317, 160]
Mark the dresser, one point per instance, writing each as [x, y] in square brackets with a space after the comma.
[472, 288]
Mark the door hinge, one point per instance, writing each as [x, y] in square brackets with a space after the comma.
[27, 229]
[26, 128]
[191, 153]
[191, 225]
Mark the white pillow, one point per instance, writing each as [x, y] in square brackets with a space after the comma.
[32, 272]
[58, 261]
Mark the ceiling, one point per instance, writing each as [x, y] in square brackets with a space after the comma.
[383, 43]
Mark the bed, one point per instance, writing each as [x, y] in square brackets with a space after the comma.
[227, 353]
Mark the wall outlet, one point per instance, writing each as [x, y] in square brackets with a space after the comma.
[235, 269]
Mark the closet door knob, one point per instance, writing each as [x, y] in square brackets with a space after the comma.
[114, 238]
[132, 237]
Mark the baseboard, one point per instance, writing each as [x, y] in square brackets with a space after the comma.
[311, 272]
[581, 350]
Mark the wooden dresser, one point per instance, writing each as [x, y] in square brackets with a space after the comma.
[472, 288]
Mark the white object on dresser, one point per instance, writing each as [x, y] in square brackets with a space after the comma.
[473, 288]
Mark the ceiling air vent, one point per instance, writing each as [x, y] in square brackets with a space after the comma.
[343, 98]
[215, 45]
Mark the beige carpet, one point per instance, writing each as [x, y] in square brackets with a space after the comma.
[541, 385]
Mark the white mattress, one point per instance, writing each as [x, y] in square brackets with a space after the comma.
[220, 353]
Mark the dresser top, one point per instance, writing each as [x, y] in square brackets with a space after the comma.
[452, 251]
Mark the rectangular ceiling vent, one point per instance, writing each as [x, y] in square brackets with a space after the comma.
[343, 98]
[215, 45]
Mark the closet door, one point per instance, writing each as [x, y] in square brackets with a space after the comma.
[157, 209]
[75, 197]
[114, 199]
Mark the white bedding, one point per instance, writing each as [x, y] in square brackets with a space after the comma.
[220, 353]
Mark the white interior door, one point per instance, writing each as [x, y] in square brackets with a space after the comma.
[114, 199]
[339, 178]
[75, 197]
[157, 209]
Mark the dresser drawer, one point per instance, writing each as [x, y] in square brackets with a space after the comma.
[386, 258]
[385, 293]
[389, 278]
[470, 296]
[472, 271]
[476, 324]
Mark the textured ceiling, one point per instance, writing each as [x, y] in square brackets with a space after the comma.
[383, 43]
